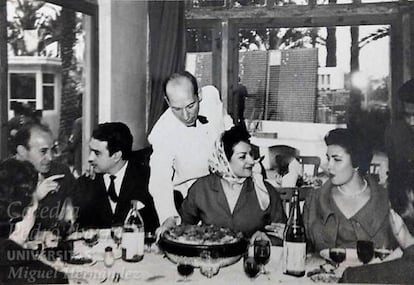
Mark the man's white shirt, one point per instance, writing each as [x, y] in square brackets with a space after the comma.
[117, 182]
[180, 153]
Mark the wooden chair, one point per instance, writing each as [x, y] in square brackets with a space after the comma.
[311, 160]
[374, 171]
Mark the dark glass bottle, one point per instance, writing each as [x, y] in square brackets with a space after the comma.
[294, 240]
[133, 234]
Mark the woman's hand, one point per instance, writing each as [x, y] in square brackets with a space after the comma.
[168, 223]
[400, 230]
[259, 236]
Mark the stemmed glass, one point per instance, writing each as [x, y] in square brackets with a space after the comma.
[185, 269]
[262, 253]
[250, 266]
[365, 250]
[149, 240]
[90, 237]
[337, 255]
[116, 234]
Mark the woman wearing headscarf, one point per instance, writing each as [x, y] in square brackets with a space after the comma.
[234, 195]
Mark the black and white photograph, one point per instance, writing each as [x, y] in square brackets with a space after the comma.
[206, 141]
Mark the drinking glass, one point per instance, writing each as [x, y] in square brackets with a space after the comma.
[209, 267]
[365, 250]
[116, 234]
[337, 255]
[381, 253]
[250, 266]
[262, 253]
[90, 236]
[149, 240]
[185, 269]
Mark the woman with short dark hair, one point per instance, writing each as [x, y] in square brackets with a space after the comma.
[350, 206]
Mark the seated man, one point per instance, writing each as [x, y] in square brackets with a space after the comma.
[34, 143]
[17, 206]
[105, 198]
[398, 271]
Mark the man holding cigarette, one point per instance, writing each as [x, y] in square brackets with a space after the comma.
[34, 143]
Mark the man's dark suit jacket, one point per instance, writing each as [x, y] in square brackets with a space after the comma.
[21, 266]
[95, 208]
[50, 206]
[398, 271]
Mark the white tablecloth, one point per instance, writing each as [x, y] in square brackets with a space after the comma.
[155, 268]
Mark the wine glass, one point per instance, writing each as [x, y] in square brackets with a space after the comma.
[337, 255]
[90, 236]
[250, 266]
[185, 269]
[149, 240]
[365, 250]
[116, 234]
[262, 253]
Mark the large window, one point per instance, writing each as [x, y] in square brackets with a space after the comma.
[48, 89]
[302, 74]
[23, 89]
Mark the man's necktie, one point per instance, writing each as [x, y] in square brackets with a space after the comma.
[111, 189]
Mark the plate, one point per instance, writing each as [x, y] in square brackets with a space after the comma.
[275, 229]
[351, 258]
[325, 278]
[97, 252]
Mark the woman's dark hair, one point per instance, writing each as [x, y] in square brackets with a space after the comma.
[232, 137]
[358, 149]
[18, 180]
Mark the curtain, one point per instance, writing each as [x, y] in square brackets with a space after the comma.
[167, 50]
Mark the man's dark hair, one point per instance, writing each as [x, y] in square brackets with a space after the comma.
[182, 74]
[354, 144]
[117, 135]
[22, 137]
[232, 137]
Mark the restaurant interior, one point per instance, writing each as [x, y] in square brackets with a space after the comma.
[309, 66]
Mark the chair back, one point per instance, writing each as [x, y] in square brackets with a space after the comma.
[310, 160]
[374, 171]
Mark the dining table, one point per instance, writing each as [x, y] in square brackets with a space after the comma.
[156, 268]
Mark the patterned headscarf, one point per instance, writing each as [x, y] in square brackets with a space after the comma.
[219, 164]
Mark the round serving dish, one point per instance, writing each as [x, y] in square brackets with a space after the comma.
[221, 254]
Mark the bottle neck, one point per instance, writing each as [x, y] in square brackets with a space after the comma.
[296, 216]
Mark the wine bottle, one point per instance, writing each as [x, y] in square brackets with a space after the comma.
[294, 240]
[133, 234]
